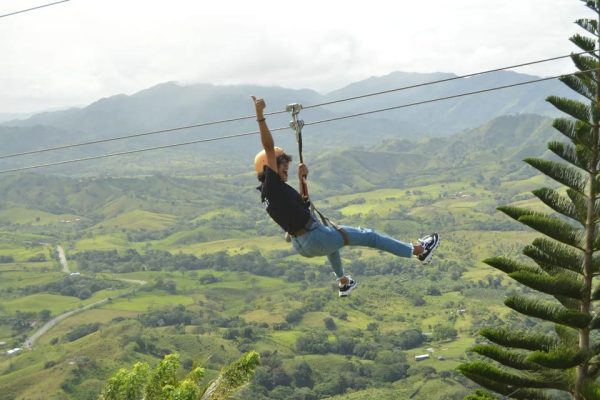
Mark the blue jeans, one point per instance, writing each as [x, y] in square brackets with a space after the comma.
[321, 240]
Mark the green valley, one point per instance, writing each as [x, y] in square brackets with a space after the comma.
[191, 264]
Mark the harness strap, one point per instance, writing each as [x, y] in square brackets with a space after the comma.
[327, 222]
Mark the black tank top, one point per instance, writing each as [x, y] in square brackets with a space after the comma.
[283, 203]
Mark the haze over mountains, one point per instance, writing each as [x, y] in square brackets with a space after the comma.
[170, 105]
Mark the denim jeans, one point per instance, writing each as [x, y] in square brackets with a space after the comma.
[321, 240]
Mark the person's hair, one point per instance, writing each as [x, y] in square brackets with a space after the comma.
[283, 158]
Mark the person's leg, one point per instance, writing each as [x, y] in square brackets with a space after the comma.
[322, 241]
[371, 238]
[336, 264]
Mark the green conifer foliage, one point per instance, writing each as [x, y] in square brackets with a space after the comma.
[162, 382]
[534, 365]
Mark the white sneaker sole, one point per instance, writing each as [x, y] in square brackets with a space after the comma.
[435, 246]
[347, 292]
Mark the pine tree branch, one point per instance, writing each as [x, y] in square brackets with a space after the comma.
[508, 265]
[569, 303]
[555, 253]
[545, 262]
[560, 204]
[519, 339]
[590, 25]
[502, 376]
[591, 391]
[584, 43]
[562, 357]
[555, 285]
[587, 62]
[580, 83]
[554, 228]
[567, 127]
[578, 155]
[579, 200]
[233, 377]
[574, 108]
[481, 395]
[561, 173]
[549, 312]
[512, 359]
[568, 336]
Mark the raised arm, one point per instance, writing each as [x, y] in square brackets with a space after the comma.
[265, 135]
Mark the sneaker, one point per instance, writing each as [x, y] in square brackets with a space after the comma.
[345, 290]
[429, 243]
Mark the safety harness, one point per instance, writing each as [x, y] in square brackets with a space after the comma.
[297, 125]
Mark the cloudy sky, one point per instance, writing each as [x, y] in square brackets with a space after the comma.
[74, 53]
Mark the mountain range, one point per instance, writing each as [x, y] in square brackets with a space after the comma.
[170, 105]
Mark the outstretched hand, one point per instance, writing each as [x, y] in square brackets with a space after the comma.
[260, 105]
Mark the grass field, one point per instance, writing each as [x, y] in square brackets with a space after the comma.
[383, 304]
[19, 279]
[143, 301]
[138, 220]
[57, 304]
[25, 216]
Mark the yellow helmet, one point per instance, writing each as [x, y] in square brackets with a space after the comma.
[261, 159]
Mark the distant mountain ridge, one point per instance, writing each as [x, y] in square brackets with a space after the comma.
[495, 149]
[170, 105]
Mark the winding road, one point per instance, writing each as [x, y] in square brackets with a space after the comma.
[63, 259]
[30, 341]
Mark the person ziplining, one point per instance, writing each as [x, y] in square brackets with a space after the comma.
[292, 211]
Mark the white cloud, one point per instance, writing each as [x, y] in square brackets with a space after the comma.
[76, 52]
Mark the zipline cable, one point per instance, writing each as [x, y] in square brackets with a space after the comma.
[67, 146]
[33, 8]
[446, 98]
[447, 79]
[282, 128]
[122, 153]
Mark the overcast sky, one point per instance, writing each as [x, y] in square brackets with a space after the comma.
[74, 53]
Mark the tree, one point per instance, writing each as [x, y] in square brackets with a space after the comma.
[161, 383]
[530, 364]
[330, 324]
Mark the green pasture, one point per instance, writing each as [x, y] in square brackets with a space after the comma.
[190, 280]
[100, 315]
[138, 220]
[27, 216]
[20, 279]
[21, 252]
[525, 186]
[417, 388]
[285, 339]
[38, 267]
[103, 294]
[31, 380]
[233, 246]
[57, 304]
[480, 245]
[453, 352]
[221, 213]
[5, 332]
[114, 241]
[261, 315]
[142, 301]
[120, 205]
